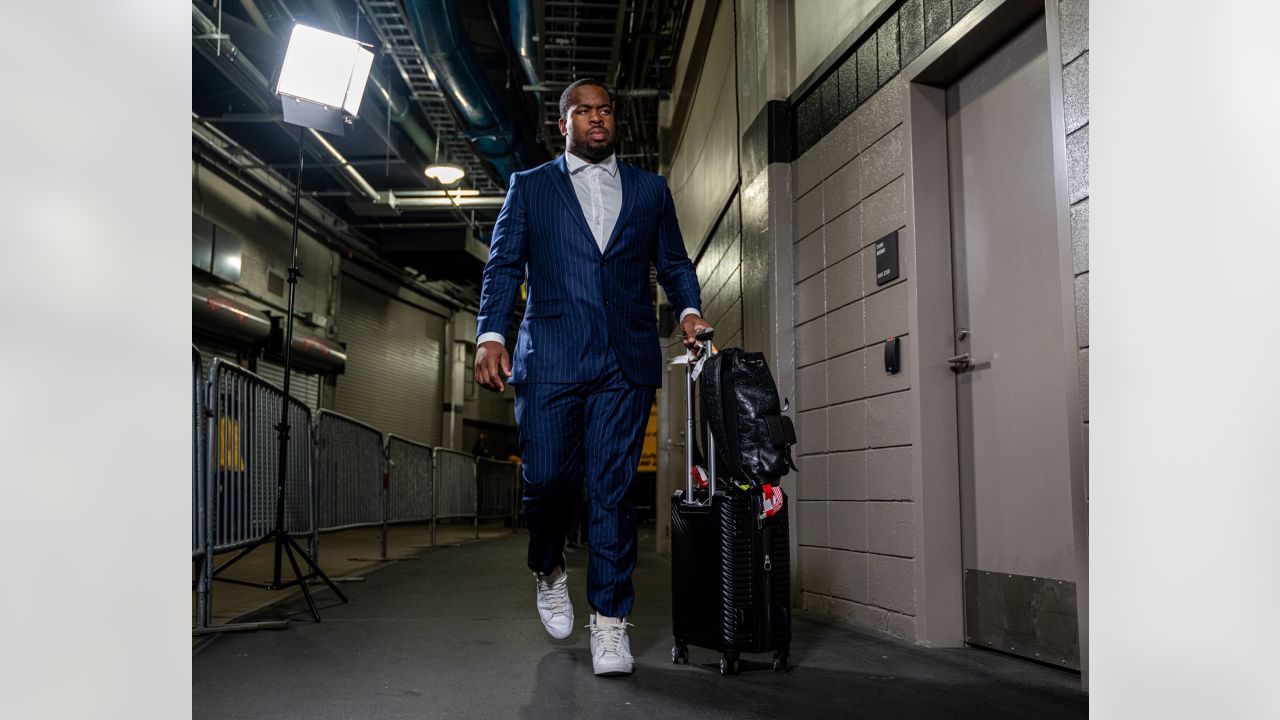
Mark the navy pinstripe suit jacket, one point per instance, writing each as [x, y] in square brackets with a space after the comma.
[578, 296]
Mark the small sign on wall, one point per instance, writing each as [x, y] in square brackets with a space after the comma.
[887, 258]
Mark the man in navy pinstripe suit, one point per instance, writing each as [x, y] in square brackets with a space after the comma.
[585, 229]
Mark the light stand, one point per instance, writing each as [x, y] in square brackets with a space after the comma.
[323, 103]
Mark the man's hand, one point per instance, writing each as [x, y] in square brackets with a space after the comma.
[691, 325]
[493, 365]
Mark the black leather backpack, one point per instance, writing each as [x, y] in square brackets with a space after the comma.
[740, 405]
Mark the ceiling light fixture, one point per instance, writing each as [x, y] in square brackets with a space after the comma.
[445, 174]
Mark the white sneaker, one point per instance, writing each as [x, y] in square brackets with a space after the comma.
[553, 603]
[610, 648]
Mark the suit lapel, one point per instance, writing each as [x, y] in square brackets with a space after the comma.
[560, 178]
[626, 176]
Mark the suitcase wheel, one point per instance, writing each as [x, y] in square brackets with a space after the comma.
[680, 653]
[781, 662]
[729, 664]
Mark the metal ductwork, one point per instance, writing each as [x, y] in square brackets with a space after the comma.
[315, 353]
[522, 32]
[452, 58]
[397, 108]
[257, 88]
[221, 316]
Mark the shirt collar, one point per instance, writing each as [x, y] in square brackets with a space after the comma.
[575, 163]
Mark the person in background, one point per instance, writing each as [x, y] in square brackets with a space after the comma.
[481, 448]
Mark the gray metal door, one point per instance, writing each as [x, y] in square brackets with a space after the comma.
[1012, 386]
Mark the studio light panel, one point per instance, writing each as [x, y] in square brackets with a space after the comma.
[325, 68]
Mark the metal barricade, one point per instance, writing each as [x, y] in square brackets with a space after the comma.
[409, 480]
[243, 459]
[241, 447]
[455, 487]
[199, 538]
[350, 463]
[497, 487]
[197, 456]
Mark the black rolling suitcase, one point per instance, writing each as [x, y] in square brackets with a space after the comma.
[731, 568]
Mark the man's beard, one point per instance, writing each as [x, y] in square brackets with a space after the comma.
[594, 153]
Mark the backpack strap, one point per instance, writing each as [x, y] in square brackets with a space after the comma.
[782, 434]
[711, 383]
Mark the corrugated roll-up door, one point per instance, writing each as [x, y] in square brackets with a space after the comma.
[209, 351]
[303, 385]
[395, 369]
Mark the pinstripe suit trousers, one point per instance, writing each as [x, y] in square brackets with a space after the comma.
[589, 433]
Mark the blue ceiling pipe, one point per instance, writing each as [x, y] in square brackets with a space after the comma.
[522, 40]
[439, 32]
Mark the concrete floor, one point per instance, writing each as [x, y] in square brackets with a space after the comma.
[453, 634]
[345, 556]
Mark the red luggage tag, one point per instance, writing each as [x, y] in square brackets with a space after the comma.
[699, 476]
[771, 503]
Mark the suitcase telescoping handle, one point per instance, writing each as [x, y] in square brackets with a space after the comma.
[704, 338]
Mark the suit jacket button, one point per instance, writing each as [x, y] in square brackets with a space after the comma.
[606, 301]
[603, 263]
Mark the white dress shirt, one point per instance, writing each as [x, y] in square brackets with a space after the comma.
[599, 191]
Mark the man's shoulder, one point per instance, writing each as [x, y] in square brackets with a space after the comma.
[651, 185]
[546, 167]
[533, 173]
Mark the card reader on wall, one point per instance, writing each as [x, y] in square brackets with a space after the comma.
[892, 356]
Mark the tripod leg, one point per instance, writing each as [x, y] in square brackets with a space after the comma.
[276, 567]
[316, 568]
[218, 569]
[302, 582]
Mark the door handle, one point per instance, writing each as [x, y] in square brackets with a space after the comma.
[960, 363]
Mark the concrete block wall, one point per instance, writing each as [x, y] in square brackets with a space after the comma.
[266, 239]
[719, 266]
[1074, 28]
[854, 501]
[854, 513]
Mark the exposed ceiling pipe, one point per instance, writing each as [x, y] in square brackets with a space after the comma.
[522, 32]
[391, 102]
[255, 15]
[243, 164]
[319, 221]
[257, 87]
[356, 177]
[409, 202]
[453, 60]
[396, 106]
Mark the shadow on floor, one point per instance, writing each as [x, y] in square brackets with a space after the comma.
[453, 634]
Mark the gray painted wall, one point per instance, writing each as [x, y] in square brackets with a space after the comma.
[854, 514]
[266, 238]
[720, 278]
[824, 25]
[1074, 16]
[266, 250]
[703, 172]
[805, 265]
